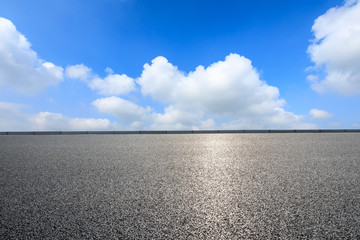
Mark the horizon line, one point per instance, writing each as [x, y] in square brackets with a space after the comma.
[180, 131]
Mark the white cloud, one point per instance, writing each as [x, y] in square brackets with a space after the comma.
[174, 118]
[79, 71]
[20, 67]
[280, 120]
[134, 116]
[320, 114]
[56, 121]
[227, 91]
[124, 110]
[160, 79]
[12, 118]
[336, 50]
[112, 84]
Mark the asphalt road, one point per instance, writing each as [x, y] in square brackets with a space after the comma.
[205, 186]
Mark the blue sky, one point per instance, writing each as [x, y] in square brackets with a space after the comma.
[134, 64]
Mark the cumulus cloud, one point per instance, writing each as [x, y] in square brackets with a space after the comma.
[160, 79]
[20, 67]
[112, 84]
[79, 71]
[13, 118]
[229, 92]
[336, 50]
[320, 114]
[128, 112]
[174, 118]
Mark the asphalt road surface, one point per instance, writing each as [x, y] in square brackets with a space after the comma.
[189, 186]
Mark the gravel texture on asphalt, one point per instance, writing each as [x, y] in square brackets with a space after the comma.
[206, 186]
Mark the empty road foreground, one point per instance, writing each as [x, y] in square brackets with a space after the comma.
[188, 186]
